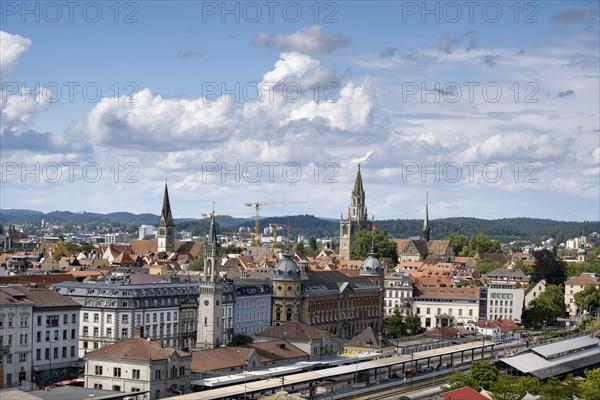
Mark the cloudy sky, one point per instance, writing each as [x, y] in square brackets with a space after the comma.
[491, 107]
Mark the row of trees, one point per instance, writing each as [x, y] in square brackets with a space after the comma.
[469, 246]
[506, 387]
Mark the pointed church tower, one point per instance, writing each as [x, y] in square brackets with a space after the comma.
[210, 321]
[357, 217]
[166, 226]
[426, 229]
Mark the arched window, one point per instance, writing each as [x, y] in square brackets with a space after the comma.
[288, 314]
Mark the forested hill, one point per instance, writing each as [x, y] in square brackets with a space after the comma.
[505, 230]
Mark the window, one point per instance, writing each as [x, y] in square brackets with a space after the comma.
[97, 386]
[109, 319]
[135, 374]
[73, 318]
[23, 357]
[64, 334]
[72, 333]
[96, 317]
[23, 340]
[96, 331]
[98, 369]
[9, 358]
[85, 345]
[55, 355]
[86, 317]
[470, 313]
[124, 332]
[157, 374]
[125, 304]
[116, 388]
[85, 331]
[125, 319]
[72, 351]
[64, 352]
[117, 372]
[47, 354]
[38, 354]
[38, 337]
[39, 320]
[24, 322]
[109, 332]
[65, 319]
[52, 320]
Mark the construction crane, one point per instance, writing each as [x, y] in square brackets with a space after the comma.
[256, 206]
[226, 214]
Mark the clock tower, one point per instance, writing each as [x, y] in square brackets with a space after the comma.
[166, 227]
[210, 315]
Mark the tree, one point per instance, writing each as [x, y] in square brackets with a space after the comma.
[413, 325]
[528, 384]
[197, 264]
[396, 326]
[481, 243]
[486, 265]
[588, 298]
[548, 306]
[457, 241]
[232, 249]
[313, 244]
[548, 267]
[299, 248]
[1, 229]
[468, 247]
[484, 373]
[459, 380]
[554, 389]
[481, 375]
[239, 339]
[505, 388]
[385, 248]
[589, 389]
[72, 246]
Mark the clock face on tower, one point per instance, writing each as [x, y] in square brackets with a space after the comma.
[205, 302]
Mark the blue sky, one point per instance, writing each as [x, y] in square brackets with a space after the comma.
[427, 100]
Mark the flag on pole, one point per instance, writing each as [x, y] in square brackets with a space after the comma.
[373, 227]
[289, 226]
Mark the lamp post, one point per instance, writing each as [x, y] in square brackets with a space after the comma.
[50, 379]
[245, 379]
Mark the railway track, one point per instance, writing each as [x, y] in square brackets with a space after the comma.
[398, 391]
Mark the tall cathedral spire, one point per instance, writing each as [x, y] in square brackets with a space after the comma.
[426, 228]
[166, 226]
[358, 185]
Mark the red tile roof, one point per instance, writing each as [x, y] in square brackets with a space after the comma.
[465, 393]
[137, 348]
[583, 279]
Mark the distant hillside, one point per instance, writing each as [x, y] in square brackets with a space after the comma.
[505, 230]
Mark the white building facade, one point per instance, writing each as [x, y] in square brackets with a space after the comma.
[39, 334]
[398, 293]
[166, 311]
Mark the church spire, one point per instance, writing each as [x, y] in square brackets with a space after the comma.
[358, 185]
[426, 228]
[166, 226]
[166, 217]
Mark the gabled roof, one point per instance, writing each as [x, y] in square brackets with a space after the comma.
[123, 258]
[583, 279]
[276, 350]
[137, 348]
[498, 257]
[465, 393]
[437, 248]
[220, 358]
[41, 298]
[295, 331]
[367, 338]
[39, 280]
[507, 273]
